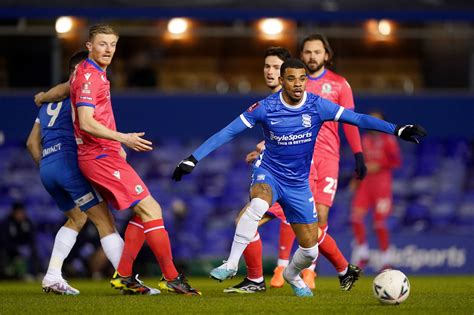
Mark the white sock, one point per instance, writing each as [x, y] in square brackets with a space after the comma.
[258, 280]
[303, 258]
[112, 245]
[283, 262]
[341, 273]
[246, 229]
[63, 243]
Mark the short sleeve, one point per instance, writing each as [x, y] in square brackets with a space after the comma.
[86, 86]
[253, 115]
[328, 110]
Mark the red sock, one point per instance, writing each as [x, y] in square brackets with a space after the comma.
[159, 242]
[134, 238]
[358, 228]
[253, 258]
[329, 249]
[287, 238]
[383, 236]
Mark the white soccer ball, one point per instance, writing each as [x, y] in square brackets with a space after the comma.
[391, 287]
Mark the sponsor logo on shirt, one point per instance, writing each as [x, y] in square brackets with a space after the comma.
[252, 108]
[116, 174]
[291, 139]
[52, 149]
[86, 88]
[306, 120]
[88, 98]
[139, 189]
[326, 88]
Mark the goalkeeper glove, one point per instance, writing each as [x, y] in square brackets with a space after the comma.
[412, 133]
[184, 167]
[360, 168]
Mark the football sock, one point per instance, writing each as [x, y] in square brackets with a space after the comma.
[112, 245]
[286, 240]
[283, 262]
[134, 239]
[63, 243]
[159, 242]
[358, 228]
[303, 258]
[246, 229]
[329, 249]
[253, 259]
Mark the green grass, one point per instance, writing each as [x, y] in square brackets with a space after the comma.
[434, 295]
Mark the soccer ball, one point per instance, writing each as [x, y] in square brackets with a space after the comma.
[391, 287]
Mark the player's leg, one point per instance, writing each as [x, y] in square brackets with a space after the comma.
[67, 234]
[254, 281]
[149, 210]
[262, 195]
[324, 193]
[382, 210]
[359, 208]
[300, 211]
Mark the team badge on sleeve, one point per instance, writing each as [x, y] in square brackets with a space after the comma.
[252, 108]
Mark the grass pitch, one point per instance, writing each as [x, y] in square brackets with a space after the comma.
[434, 295]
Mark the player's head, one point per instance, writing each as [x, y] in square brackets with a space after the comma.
[101, 44]
[315, 52]
[76, 59]
[293, 79]
[274, 58]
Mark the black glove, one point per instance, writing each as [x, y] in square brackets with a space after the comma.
[412, 133]
[360, 168]
[184, 167]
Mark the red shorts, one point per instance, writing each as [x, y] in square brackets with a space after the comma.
[277, 211]
[323, 180]
[115, 180]
[374, 194]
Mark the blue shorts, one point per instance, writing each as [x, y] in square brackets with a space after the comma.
[65, 183]
[296, 200]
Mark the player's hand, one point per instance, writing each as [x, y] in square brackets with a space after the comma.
[251, 157]
[39, 99]
[184, 167]
[360, 168]
[260, 146]
[135, 142]
[412, 133]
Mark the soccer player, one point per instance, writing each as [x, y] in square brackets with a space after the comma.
[291, 120]
[316, 53]
[375, 192]
[254, 281]
[99, 147]
[53, 147]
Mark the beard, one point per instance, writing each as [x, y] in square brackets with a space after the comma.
[314, 67]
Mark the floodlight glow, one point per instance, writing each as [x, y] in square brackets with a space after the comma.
[63, 24]
[177, 26]
[384, 27]
[271, 26]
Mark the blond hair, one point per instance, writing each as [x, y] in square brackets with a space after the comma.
[101, 29]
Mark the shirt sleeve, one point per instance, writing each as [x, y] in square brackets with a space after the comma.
[37, 120]
[253, 115]
[392, 150]
[223, 136]
[346, 99]
[328, 111]
[353, 137]
[86, 87]
[365, 121]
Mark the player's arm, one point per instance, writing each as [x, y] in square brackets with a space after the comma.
[55, 94]
[346, 99]
[88, 124]
[241, 123]
[330, 111]
[33, 144]
[392, 150]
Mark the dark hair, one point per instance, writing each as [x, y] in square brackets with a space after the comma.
[76, 58]
[292, 63]
[282, 53]
[323, 40]
[17, 206]
[101, 29]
